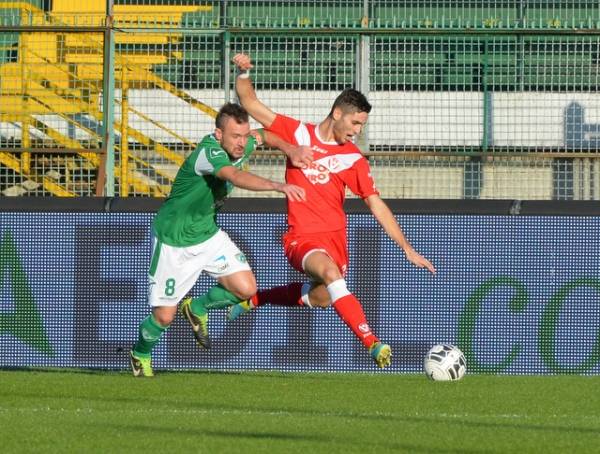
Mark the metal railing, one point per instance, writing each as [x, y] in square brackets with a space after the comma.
[472, 99]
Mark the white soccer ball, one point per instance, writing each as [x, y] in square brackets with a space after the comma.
[444, 363]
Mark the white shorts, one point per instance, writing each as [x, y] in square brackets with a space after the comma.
[175, 270]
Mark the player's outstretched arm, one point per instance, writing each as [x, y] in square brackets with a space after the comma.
[252, 182]
[247, 95]
[386, 219]
[300, 156]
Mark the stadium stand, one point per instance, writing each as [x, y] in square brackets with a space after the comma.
[61, 75]
[456, 87]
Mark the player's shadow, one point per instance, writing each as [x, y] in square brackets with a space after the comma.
[329, 440]
[199, 432]
[462, 422]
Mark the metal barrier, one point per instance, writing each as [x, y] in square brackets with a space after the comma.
[471, 99]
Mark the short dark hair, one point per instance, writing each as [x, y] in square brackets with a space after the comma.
[351, 100]
[231, 110]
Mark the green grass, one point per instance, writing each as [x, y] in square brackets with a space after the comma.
[80, 411]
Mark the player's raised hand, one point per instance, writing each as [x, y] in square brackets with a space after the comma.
[259, 140]
[292, 192]
[418, 260]
[301, 156]
[242, 61]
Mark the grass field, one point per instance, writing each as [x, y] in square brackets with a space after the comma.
[81, 411]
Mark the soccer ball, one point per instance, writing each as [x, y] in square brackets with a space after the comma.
[444, 363]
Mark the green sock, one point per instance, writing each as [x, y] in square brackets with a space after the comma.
[217, 297]
[150, 333]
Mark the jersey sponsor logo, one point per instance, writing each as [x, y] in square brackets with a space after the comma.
[333, 164]
[241, 257]
[319, 149]
[318, 171]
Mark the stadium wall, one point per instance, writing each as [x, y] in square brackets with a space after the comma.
[517, 288]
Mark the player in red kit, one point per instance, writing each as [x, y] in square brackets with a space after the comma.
[315, 243]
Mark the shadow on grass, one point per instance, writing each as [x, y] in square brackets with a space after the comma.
[199, 432]
[507, 425]
[66, 370]
[329, 442]
[273, 374]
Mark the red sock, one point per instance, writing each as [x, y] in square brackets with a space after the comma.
[286, 295]
[350, 311]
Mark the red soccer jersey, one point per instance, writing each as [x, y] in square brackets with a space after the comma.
[334, 168]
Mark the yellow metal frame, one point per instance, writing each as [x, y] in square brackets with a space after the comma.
[44, 82]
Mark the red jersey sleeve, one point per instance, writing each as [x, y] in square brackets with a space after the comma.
[358, 178]
[285, 127]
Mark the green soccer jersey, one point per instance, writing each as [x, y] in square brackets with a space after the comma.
[188, 216]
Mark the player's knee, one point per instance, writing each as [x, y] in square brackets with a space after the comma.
[245, 290]
[164, 318]
[331, 274]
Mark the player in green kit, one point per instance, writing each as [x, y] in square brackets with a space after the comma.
[187, 240]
